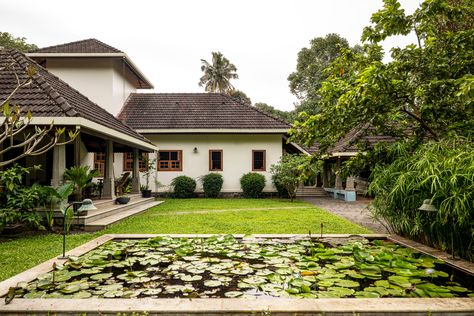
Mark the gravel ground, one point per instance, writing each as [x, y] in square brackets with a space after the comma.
[357, 212]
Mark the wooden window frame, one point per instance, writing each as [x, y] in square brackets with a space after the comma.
[264, 159]
[210, 159]
[98, 163]
[141, 162]
[180, 159]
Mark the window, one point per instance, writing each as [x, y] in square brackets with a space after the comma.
[99, 163]
[128, 161]
[258, 160]
[215, 160]
[170, 160]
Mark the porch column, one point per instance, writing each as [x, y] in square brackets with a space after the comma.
[59, 164]
[135, 173]
[338, 174]
[325, 175]
[109, 183]
[77, 150]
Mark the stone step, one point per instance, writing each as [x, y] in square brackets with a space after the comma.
[109, 209]
[104, 222]
[311, 192]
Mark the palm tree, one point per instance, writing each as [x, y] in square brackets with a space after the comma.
[217, 75]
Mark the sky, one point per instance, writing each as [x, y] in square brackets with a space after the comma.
[168, 39]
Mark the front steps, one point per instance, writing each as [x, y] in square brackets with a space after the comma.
[310, 191]
[108, 212]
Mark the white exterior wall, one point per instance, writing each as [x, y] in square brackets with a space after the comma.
[100, 79]
[237, 156]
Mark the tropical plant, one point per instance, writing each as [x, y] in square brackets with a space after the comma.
[18, 202]
[217, 76]
[53, 197]
[212, 184]
[442, 172]
[150, 165]
[81, 177]
[240, 96]
[289, 172]
[183, 187]
[15, 131]
[252, 184]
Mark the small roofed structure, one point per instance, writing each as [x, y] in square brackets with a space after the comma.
[50, 99]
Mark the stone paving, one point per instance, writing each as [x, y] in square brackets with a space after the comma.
[357, 212]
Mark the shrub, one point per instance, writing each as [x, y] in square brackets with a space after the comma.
[441, 171]
[252, 184]
[183, 187]
[212, 184]
[288, 173]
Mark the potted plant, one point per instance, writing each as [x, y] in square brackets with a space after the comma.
[124, 199]
[149, 167]
[81, 177]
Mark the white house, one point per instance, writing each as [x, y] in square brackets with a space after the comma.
[199, 133]
[195, 133]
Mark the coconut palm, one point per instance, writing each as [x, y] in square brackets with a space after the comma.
[217, 75]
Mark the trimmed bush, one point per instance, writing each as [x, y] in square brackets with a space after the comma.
[252, 184]
[212, 184]
[183, 187]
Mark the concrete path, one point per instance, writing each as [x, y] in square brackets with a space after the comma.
[357, 212]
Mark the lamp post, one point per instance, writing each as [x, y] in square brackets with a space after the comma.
[428, 206]
[86, 205]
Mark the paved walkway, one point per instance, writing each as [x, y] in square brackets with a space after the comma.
[357, 212]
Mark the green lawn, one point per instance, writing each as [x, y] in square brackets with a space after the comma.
[224, 216]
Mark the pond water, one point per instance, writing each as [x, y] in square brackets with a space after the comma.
[222, 266]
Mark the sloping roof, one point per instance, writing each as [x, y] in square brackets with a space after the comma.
[87, 46]
[91, 48]
[365, 135]
[49, 96]
[158, 111]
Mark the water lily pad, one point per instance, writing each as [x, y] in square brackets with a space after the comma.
[190, 278]
[101, 276]
[365, 294]
[233, 294]
[212, 283]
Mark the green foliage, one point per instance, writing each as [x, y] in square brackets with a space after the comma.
[425, 88]
[183, 187]
[150, 165]
[19, 43]
[212, 184]
[217, 76]
[289, 173]
[252, 184]
[441, 171]
[283, 115]
[81, 177]
[240, 96]
[18, 203]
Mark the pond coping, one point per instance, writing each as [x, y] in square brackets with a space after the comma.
[228, 306]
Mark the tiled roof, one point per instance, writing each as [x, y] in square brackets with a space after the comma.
[365, 135]
[49, 96]
[194, 111]
[91, 45]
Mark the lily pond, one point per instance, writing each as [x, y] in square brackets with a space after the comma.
[223, 266]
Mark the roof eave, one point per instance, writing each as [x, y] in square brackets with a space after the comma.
[146, 84]
[213, 131]
[88, 124]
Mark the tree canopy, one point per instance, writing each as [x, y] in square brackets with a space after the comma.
[284, 115]
[240, 96]
[19, 43]
[427, 88]
[217, 75]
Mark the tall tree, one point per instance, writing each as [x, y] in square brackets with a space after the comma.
[309, 75]
[427, 86]
[18, 43]
[241, 96]
[284, 115]
[217, 75]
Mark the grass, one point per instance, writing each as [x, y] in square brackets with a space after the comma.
[222, 216]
